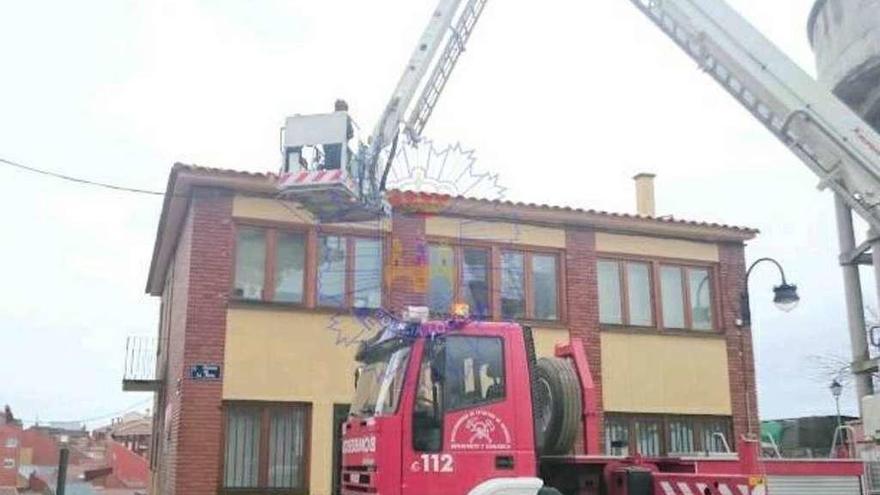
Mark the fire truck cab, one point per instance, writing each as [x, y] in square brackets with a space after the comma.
[462, 407]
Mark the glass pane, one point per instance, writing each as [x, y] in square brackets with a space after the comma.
[681, 436]
[638, 281]
[672, 297]
[648, 437]
[242, 454]
[609, 292]
[715, 434]
[474, 371]
[427, 422]
[367, 273]
[475, 281]
[250, 263]
[616, 436]
[289, 267]
[331, 270]
[286, 448]
[700, 291]
[545, 284]
[441, 266]
[513, 298]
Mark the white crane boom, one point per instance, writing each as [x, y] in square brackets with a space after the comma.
[833, 141]
[419, 62]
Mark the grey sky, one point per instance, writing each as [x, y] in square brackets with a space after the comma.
[566, 100]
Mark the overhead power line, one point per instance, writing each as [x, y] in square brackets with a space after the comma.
[89, 419]
[79, 180]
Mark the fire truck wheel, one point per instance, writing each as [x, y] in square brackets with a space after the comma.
[557, 405]
[547, 490]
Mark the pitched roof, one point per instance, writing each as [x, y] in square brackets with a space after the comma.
[184, 177]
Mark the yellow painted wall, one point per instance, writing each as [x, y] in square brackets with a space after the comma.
[279, 355]
[287, 211]
[664, 374]
[547, 338]
[25, 456]
[654, 246]
[495, 232]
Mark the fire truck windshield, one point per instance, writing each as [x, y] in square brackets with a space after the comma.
[380, 381]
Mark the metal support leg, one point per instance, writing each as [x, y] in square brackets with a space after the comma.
[855, 313]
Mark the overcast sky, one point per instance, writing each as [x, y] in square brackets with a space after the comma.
[564, 99]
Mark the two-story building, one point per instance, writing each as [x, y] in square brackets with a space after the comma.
[260, 321]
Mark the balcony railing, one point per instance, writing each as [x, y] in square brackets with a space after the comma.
[140, 365]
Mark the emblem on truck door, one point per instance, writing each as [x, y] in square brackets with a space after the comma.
[479, 430]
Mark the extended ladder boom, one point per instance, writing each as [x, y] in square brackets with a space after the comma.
[833, 141]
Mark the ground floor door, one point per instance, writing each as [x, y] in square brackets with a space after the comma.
[340, 414]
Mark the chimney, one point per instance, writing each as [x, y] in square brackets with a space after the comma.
[645, 194]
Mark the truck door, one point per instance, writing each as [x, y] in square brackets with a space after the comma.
[462, 423]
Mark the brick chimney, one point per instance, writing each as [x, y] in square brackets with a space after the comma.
[645, 194]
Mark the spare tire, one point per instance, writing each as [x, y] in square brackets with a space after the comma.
[557, 405]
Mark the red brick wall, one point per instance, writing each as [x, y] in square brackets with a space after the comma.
[190, 454]
[9, 476]
[582, 296]
[408, 261]
[44, 447]
[740, 359]
[210, 272]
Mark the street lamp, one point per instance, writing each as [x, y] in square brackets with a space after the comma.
[836, 389]
[785, 295]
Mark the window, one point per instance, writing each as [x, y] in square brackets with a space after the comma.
[545, 284]
[250, 263]
[290, 267]
[474, 371]
[610, 302]
[475, 281]
[428, 410]
[687, 297]
[9, 463]
[628, 293]
[367, 273]
[266, 446]
[625, 293]
[441, 269]
[672, 296]
[657, 434]
[270, 266]
[331, 270]
[513, 296]
[11, 443]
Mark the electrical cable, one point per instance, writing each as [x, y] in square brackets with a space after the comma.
[79, 180]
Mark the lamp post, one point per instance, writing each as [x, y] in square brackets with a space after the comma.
[785, 295]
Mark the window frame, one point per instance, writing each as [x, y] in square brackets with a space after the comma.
[311, 234]
[698, 423]
[655, 264]
[265, 409]
[483, 403]
[495, 250]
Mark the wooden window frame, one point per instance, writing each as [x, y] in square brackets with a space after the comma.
[698, 423]
[654, 266]
[311, 235]
[495, 251]
[265, 409]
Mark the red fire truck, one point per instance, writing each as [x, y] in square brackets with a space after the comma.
[461, 407]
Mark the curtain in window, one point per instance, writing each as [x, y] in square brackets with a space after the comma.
[681, 436]
[289, 267]
[609, 292]
[367, 273]
[672, 296]
[286, 445]
[242, 456]
[250, 262]
[701, 298]
[544, 286]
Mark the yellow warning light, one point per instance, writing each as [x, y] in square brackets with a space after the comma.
[461, 310]
[755, 481]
